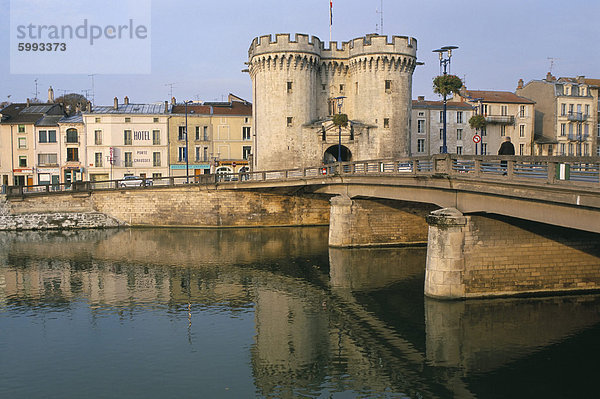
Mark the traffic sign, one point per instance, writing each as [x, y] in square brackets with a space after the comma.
[476, 139]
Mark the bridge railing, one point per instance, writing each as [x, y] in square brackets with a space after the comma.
[577, 171]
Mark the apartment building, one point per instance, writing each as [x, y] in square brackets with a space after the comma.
[427, 127]
[506, 114]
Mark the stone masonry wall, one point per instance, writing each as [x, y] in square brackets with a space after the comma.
[358, 222]
[478, 256]
[178, 206]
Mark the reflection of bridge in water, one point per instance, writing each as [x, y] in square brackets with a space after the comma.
[309, 320]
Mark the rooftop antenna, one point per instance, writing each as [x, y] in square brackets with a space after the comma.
[380, 12]
[36, 89]
[552, 60]
[86, 93]
[170, 88]
[93, 93]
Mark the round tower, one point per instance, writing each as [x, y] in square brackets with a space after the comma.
[298, 85]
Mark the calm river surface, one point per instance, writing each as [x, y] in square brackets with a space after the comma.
[244, 313]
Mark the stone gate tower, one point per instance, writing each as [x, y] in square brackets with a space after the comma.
[299, 84]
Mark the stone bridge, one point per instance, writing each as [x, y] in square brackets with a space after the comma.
[493, 225]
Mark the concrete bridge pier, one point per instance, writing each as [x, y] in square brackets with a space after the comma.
[483, 255]
[358, 222]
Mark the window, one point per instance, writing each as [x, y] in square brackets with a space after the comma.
[155, 120]
[156, 175]
[128, 160]
[246, 133]
[550, 150]
[563, 149]
[182, 154]
[421, 113]
[502, 130]
[441, 149]
[570, 130]
[98, 159]
[459, 117]
[355, 87]
[504, 110]
[586, 149]
[197, 133]
[181, 133]
[483, 133]
[484, 149]
[441, 134]
[21, 128]
[97, 120]
[246, 120]
[72, 155]
[341, 88]
[51, 136]
[570, 109]
[198, 153]
[127, 120]
[22, 162]
[420, 125]
[47, 159]
[598, 134]
[42, 136]
[420, 145]
[205, 154]
[72, 136]
[323, 87]
[586, 131]
[459, 134]
[289, 121]
[521, 130]
[563, 129]
[386, 122]
[205, 133]
[156, 159]
[587, 109]
[388, 86]
[156, 137]
[22, 142]
[441, 116]
[521, 149]
[98, 137]
[459, 150]
[246, 151]
[563, 109]
[522, 111]
[289, 87]
[127, 137]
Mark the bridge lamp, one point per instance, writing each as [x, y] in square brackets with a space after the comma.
[187, 165]
[340, 103]
[445, 55]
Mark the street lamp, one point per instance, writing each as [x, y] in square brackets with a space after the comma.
[340, 102]
[444, 69]
[187, 165]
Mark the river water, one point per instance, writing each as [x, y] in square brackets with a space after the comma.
[243, 313]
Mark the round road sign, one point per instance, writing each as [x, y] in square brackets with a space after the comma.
[476, 139]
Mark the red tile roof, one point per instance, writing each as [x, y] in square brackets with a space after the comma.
[195, 109]
[489, 96]
[235, 108]
[440, 104]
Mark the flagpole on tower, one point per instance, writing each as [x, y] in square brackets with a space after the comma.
[330, 18]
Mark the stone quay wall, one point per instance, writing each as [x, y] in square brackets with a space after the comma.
[177, 206]
[478, 256]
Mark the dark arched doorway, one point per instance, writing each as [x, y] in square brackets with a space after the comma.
[331, 155]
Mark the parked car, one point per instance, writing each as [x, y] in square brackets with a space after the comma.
[134, 181]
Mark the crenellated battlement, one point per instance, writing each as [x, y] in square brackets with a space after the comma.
[370, 44]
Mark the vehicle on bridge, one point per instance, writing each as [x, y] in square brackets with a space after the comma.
[134, 181]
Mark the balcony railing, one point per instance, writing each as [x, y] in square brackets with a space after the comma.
[577, 116]
[500, 119]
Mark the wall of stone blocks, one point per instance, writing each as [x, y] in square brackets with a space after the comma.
[206, 207]
[505, 255]
[372, 222]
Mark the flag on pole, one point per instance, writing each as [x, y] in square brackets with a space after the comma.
[330, 12]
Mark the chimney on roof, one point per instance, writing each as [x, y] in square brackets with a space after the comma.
[28, 102]
[421, 98]
[581, 79]
[173, 100]
[116, 103]
[166, 107]
[549, 77]
[520, 84]
[50, 95]
[89, 106]
[126, 100]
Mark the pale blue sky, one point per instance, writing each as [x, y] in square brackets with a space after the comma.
[201, 46]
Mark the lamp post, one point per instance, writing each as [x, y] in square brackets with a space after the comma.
[445, 54]
[340, 103]
[187, 165]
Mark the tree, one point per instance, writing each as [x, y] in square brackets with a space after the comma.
[70, 102]
[446, 84]
[477, 122]
[340, 120]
